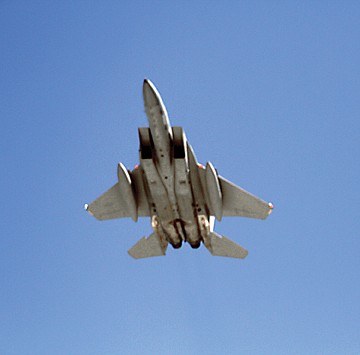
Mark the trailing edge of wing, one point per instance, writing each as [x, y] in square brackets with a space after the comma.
[238, 202]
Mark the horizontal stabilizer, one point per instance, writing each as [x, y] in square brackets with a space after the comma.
[148, 247]
[221, 246]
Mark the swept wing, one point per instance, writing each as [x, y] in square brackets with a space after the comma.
[114, 203]
[238, 202]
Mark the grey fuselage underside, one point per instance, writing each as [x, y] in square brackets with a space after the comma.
[173, 187]
[167, 163]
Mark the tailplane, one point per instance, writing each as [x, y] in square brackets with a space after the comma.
[148, 247]
[221, 246]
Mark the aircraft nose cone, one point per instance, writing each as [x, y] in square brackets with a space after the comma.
[151, 96]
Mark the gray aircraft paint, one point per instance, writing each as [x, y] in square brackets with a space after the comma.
[178, 194]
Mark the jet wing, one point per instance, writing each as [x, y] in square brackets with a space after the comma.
[114, 203]
[238, 202]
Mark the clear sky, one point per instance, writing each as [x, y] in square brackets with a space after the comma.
[268, 91]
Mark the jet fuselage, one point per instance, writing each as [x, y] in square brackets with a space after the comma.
[175, 216]
[181, 197]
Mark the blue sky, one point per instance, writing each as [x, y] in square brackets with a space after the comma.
[267, 91]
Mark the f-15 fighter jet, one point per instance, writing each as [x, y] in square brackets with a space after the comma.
[181, 197]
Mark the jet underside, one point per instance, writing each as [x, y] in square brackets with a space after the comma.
[180, 196]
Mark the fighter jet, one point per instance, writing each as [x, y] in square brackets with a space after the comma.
[181, 196]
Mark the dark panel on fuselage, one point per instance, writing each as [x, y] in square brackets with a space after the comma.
[145, 143]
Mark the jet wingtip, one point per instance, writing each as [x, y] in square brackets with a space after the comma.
[86, 208]
[271, 207]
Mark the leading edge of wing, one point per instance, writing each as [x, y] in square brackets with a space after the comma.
[238, 202]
